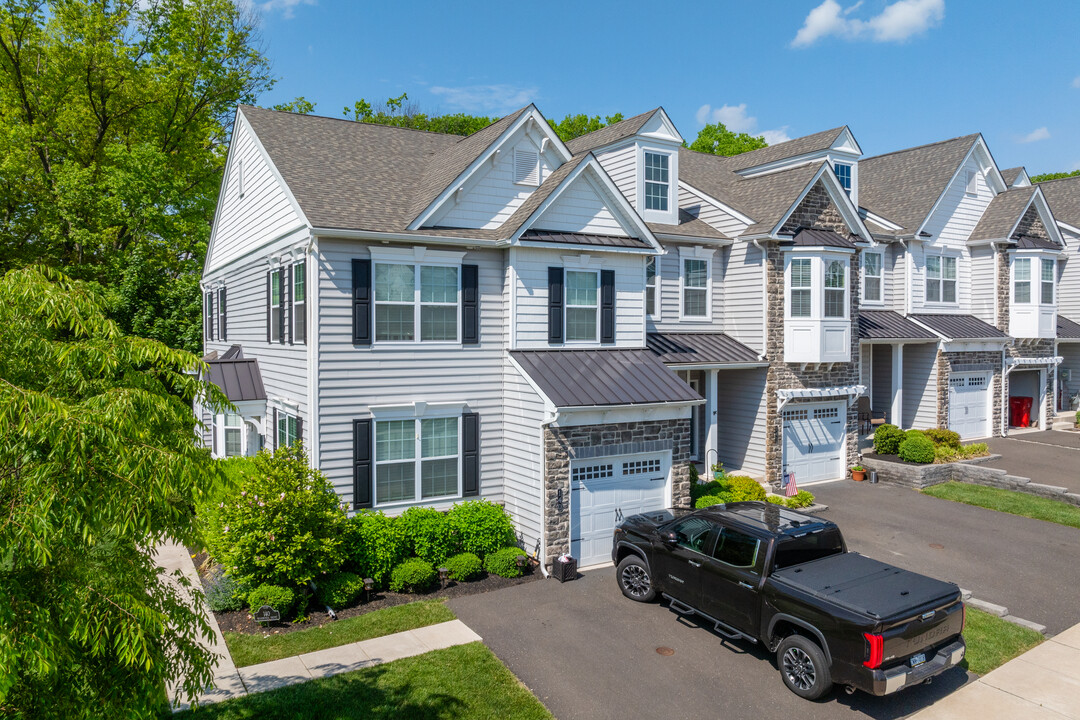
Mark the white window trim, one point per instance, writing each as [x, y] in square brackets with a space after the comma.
[426, 413]
[219, 421]
[789, 287]
[655, 312]
[670, 215]
[851, 176]
[645, 152]
[1052, 281]
[818, 266]
[1032, 297]
[276, 327]
[566, 306]
[417, 305]
[941, 279]
[299, 307]
[537, 168]
[697, 252]
[283, 416]
[880, 276]
[846, 288]
[1035, 280]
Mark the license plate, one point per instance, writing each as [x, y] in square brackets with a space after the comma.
[917, 659]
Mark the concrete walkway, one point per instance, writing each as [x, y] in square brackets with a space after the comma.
[230, 682]
[1041, 684]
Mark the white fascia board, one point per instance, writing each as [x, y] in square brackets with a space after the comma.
[1071, 228]
[846, 134]
[797, 161]
[994, 173]
[717, 242]
[719, 366]
[572, 247]
[531, 114]
[1044, 214]
[549, 406]
[878, 220]
[818, 250]
[837, 195]
[622, 205]
[675, 136]
[741, 217]
[412, 238]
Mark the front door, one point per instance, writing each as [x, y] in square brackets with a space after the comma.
[730, 578]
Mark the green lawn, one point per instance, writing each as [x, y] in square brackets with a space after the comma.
[465, 681]
[992, 641]
[1009, 501]
[254, 649]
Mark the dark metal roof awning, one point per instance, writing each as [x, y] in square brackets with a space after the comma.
[240, 379]
[809, 237]
[1067, 329]
[573, 238]
[959, 327]
[700, 349]
[589, 378]
[890, 325]
[1027, 242]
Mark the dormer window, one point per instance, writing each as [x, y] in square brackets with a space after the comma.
[656, 181]
[843, 174]
[526, 166]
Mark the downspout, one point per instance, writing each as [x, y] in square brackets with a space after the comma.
[311, 265]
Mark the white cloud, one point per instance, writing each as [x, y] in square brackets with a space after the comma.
[736, 119]
[287, 7]
[486, 98]
[1076, 82]
[1036, 135]
[897, 22]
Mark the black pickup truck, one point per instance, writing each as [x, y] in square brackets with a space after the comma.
[785, 579]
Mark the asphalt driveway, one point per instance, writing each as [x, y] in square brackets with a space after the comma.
[1050, 457]
[588, 652]
[1029, 566]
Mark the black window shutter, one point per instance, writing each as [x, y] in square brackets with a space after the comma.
[274, 432]
[555, 304]
[361, 288]
[210, 316]
[470, 454]
[269, 303]
[222, 315]
[292, 302]
[284, 281]
[607, 306]
[362, 463]
[300, 428]
[470, 305]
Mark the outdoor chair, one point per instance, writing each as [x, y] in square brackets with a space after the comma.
[868, 418]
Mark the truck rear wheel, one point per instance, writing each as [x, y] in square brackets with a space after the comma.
[803, 667]
[635, 580]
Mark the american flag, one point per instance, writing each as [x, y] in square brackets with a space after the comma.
[791, 489]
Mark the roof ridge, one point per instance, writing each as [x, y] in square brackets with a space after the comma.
[373, 124]
[920, 147]
[781, 144]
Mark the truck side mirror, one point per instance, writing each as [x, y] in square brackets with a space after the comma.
[669, 537]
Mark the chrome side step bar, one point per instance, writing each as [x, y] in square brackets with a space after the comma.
[721, 628]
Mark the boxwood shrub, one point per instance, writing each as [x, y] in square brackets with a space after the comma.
[504, 562]
[427, 534]
[464, 567]
[916, 448]
[413, 575]
[377, 544]
[719, 498]
[887, 439]
[339, 590]
[280, 598]
[943, 438]
[480, 527]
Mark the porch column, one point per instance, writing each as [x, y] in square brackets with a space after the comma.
[896, 414]
[712, 434]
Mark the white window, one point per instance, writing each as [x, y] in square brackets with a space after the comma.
[843, 174]
[656, 181]
[835, 289]
[695, 299]
[299, 295]
[1022, 281]
[416, 459]
[650, 285]
[972, 187]
[801, 288]
[582, 305]
[526, 166]
[287, 430]
[276, 305]
[1047, 282]
[400, 289]
[872, 277]
[940, 279]
[234, 429]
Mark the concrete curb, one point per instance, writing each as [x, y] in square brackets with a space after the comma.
[1000, 611]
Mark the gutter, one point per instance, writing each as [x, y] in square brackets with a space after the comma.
[343, 234]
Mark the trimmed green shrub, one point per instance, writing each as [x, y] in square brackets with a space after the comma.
[700, 490]
[917, 448]
[223, 593]
[745, 488]
[279, 522]
[693, 472]
[946, 454]
[413, 575]
[339, 589]
[480, 527]
[736, 487]
[377, 544]
[504, 562]
[280, 598]
[464, 567]
[427, 534]
[721, 498]
[887, 439]
[775, 500]
[801, 499]
[940, 437]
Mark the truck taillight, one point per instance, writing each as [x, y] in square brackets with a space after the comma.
[875, 650]
[963, 617]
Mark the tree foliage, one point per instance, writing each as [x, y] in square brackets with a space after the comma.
[1054, 176]
[716, 139]
[573, 126]
[402, 112]
[299, 105]
[98, 465]
[116, 114]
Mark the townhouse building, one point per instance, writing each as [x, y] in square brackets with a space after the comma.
[1064, 197]
[565, 327]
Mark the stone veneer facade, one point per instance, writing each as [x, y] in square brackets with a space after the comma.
[815, 211]
[1035, 348]
[563, 444]
[960, 362]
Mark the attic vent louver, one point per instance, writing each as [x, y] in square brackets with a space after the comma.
[526, 166]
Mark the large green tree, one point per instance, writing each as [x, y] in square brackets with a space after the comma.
[1054, 176]
[716, 139]
[115, 118]
[573, 126]
[98, 464]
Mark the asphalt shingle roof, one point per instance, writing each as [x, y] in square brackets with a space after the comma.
[1067, 329]
[890, 325]
[610, 134]
[1009, 175]
[959, 327]
[1002, 214]
[1063, 197]
[699, 348]
[792, 148]
[904, 185]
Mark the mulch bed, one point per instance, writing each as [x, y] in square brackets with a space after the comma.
[240, 620]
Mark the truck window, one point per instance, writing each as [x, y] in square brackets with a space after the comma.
[693, 533]
[797, 550]
[736, 549]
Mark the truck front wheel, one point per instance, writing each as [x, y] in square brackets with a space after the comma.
[635, 580]
[803, 667]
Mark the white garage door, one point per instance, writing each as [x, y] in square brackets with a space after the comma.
[969, 395]
[606, 490]
[814, 442]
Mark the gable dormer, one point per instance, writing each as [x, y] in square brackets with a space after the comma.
[838, 147]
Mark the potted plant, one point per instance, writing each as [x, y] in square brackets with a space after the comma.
[858, 473]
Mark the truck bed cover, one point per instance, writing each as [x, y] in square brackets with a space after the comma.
[864, 585]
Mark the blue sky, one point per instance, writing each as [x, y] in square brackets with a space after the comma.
[899, 72]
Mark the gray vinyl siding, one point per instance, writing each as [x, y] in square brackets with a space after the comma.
[1070, 351]
[744, 306]
[881, 395]
[983, 283]
[920, 386]
[621, 166]
[709, 213]
[523, 457]
[1069, 283]
[741, 400]
[893, 293]
[353, 379]
[670, 295]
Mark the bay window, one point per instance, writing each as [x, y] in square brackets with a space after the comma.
[835, 289]
[582, 305]
[1033, 312]
[1047, 282]
[801, 290]
[402, 288]
[416, 459]
[817, 324]
[872, 277]
[940, 279]
[1022, 281]
[695, 300]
